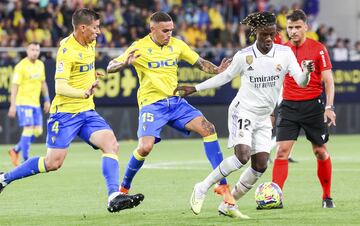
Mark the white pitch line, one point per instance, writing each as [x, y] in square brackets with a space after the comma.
[204, 165]
[183, 165]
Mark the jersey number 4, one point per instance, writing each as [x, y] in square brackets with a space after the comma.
[55, 127]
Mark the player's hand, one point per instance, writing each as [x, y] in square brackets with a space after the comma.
[308, 65]
[330, 117]
[223, 65]
[98, 75]
[184, 90]
[91, 90]
[132, 57]
[12, 111]
[46, 107]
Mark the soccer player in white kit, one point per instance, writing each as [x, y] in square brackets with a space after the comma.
[262, 68]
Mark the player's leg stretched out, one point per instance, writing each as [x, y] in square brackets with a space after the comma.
[213, 153]
[103, 138]
[184, 118]
[226, 167]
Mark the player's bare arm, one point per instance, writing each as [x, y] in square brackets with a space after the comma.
[91, 90]
[115, 66]
[329, 114]
[63, 88]
[185, 90]
[211, 68]
[45, 93]
[12, 109]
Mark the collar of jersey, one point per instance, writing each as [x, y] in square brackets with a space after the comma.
[154, 44]
[75, 42]
[257, 52]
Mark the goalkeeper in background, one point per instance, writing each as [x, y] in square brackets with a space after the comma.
[27, 84]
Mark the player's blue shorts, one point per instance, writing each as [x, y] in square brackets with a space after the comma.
[174, 111]
[29, 115]
[63, 127]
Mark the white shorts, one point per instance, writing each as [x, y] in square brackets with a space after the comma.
[249, 129]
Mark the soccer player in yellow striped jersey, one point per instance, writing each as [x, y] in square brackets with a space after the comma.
[27, 84]
[155, 58]
[73, 114]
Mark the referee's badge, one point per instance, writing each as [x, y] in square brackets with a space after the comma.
[249, 59]
[278, 67]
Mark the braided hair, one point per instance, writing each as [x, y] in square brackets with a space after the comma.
[259, 19]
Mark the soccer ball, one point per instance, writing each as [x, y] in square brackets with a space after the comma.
[268, 195]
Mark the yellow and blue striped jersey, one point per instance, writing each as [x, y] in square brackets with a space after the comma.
[29, 77]
[157, 67]
[75, 63]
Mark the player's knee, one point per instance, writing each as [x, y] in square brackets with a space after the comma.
[260, 166]
[115, 146]
[110, 146]
[145, 148]
[321, 152]
[209, 128]
[52, 165]
[282, 152]
[242, 154]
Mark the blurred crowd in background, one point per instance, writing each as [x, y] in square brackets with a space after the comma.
[213, 27]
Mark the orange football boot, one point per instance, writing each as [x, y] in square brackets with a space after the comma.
[14, 157]
[224, 191]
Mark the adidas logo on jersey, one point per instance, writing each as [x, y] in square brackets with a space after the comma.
[250, 68]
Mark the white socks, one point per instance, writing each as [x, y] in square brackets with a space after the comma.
[113, 195]
[226, 167]
[246, 181]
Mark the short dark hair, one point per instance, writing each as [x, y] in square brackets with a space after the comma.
[84, 16]
[33, 43]
[259, 19]
[160, 17]
[297, 15]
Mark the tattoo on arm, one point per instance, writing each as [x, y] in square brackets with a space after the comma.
[205, 66]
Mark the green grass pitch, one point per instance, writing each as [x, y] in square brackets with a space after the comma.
[76, 194]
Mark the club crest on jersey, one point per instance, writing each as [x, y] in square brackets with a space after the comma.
[80, 55]
[278, 67]
[241, 133]
[171, 49]
[64, 50]
[249, 59]
[150, 50]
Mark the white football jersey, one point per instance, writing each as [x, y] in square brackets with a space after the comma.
[262, 77]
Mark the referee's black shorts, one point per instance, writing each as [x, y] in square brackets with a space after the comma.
[309, 115]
